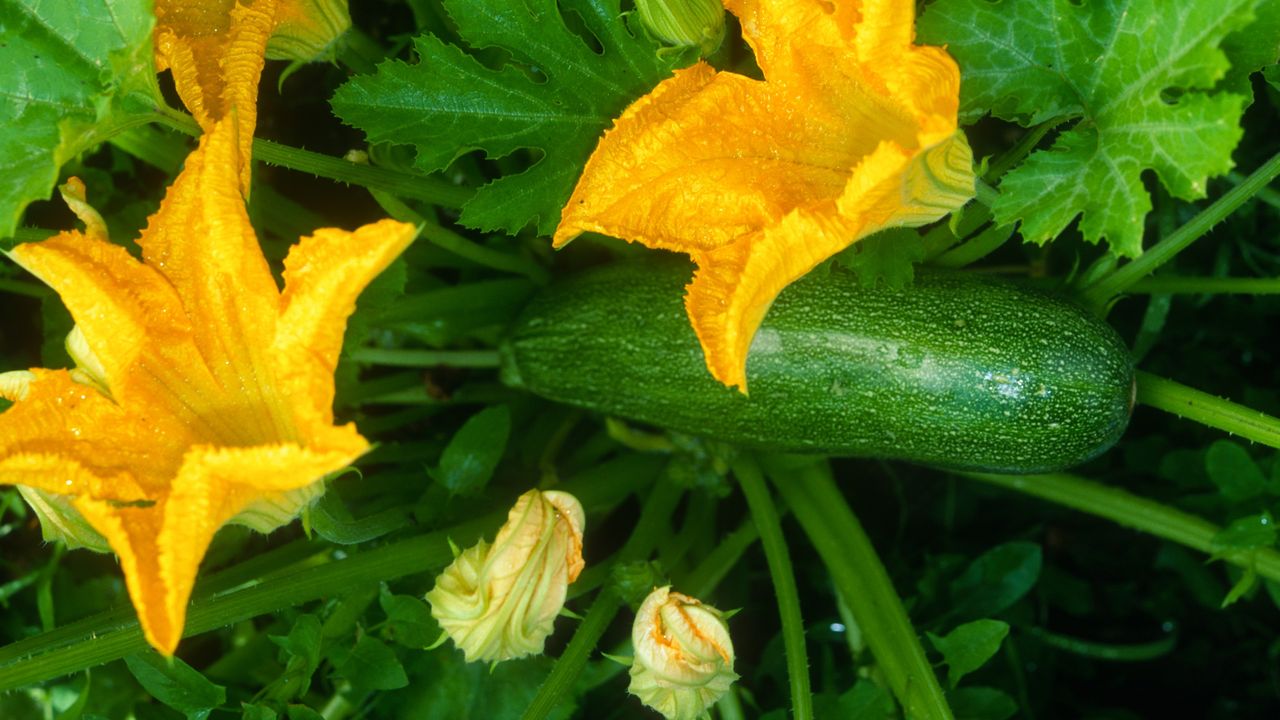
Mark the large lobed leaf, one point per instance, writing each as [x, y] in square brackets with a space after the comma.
[1139, 76]
[73, 74]
[449, 103]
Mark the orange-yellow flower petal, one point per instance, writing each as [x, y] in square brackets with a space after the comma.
[203, 395]
[323, 276]
[217, 49]
[853, 130]
[161, 546]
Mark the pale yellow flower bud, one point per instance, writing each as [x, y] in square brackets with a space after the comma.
[684, 23]
[683, 655]
[498, 602]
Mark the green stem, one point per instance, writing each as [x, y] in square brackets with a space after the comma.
[987, 242]
[1020, 150]
[863, 582]
[1206, 409]
[559, 684]
[1208, 285]
[1134, 512]
[426, 358]
[784, 583]
[703, 579]
[422, 187]
[986, 194]
[1100, 294]
[446, 239]
[1266, 194]
[654, 521]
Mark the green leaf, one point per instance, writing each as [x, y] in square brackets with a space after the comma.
[332, 521]
[866, 701]
[460, 689]
[1135, 108]
[176, 684]
[302, 712]
[1234, 472]
[969, 646]
[1271, 74]
[302, 645]
[1253, 48]
[558, 95]
[74, 74]
[257, 712]
[1248, 533]
[474, 452]
[372, 665]
[996, 580]
[409, 620]
[887, 257]
[981, 703]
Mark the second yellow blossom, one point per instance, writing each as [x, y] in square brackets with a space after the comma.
[853, 130]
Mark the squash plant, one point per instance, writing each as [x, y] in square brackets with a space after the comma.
[943, 251]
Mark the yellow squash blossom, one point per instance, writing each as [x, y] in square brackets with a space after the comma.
[203, 394]
[853, 130]
[500, 601]
[217, 49]
[684, 657]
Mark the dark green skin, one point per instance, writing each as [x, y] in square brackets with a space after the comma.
[958, 370]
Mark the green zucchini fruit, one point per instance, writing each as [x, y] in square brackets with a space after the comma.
[958, 370]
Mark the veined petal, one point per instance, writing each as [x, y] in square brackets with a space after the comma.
[202, 243]
[161, 546]
[131, 532]
[324, 274]
[118, 303]
[66, 438]
[736, 284]
[216, 49]
[678, 172]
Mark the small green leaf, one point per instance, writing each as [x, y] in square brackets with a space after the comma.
[460, 689]
[1247, 582]
[888, 257]
[409, 620]
[373, 665]
[866, 701]
[981, 703]
[1234, 472]
[302, 645]
[474, 452]
[1247, 533]
[257, 711]
[302, 712]
[969, 646]
[1034, 61]
[176, 684]
[996, 580]
[74, 75]
[332, 521]
[557, 95]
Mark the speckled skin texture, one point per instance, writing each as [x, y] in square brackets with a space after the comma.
[958, 370]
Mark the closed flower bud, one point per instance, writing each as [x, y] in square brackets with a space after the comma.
[499, 601]
[683, 655]
[684, 23]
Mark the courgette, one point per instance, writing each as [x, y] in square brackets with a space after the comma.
[957, 370]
